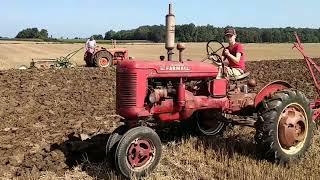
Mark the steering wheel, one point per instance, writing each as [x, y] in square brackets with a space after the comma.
[212, 52]
[215, 58]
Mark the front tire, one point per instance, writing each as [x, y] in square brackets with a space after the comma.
[112, 143]
[284, 127]
[138, 152]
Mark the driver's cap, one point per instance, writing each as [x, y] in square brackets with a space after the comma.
[229, 31]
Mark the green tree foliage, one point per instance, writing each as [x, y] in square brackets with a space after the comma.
[33, 33]
[142, 32]
[157, 34]
[97, 37]
[108, 35]
[43, 34]
[193, 33]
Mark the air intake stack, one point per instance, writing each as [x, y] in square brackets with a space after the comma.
[170, 25]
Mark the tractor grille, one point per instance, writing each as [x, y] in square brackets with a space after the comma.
[126, 89]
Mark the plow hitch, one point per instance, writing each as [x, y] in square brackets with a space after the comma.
[314, 70]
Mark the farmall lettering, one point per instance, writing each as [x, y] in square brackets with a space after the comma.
[175, 68]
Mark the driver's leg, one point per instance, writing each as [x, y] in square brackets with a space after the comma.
[234, 72]
[230, 72]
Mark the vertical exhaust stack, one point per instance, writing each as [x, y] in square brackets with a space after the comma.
[170, 25]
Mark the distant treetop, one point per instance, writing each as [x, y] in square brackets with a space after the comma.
[31, 33]
[193, 33]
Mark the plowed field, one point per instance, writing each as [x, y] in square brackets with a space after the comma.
[46, 117]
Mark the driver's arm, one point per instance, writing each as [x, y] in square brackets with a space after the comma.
[239, 52]
[235, 59]
[87, 45]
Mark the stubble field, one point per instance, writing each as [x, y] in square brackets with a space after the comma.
[44, 114]
[16, 53]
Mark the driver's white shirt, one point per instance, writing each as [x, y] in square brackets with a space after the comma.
[91, 44]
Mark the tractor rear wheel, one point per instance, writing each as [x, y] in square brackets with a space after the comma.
[138, 152]
[210, 123]
[113, 141]
[284, 127]
[103, 59]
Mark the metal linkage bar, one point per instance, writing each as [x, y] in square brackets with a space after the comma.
[311, 66]
[310, 63]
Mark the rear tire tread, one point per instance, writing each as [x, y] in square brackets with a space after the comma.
[103, 54]
[266, 126]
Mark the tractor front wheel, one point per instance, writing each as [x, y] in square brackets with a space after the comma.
[113, 141]
[103, 59]
[284, 127]
[138, 152]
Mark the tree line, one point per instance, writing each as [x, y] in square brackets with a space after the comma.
[193, 33]
[33, 33]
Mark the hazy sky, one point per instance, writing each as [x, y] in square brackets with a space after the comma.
[82, 18]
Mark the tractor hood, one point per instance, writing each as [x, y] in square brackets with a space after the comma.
[185, 69]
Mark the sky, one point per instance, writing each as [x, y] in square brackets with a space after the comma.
[82, 18]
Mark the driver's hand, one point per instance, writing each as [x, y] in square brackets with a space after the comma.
[226, 52]
[211, 57]
[217, 63]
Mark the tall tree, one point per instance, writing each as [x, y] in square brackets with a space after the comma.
[97, 36]
[33, 33]
[43, 34]
[109, 35]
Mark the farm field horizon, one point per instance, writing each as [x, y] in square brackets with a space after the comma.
[16, 53]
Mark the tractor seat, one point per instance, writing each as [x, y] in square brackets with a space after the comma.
[242, 76]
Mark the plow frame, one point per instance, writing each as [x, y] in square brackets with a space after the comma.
[61, 62]
[313, 69]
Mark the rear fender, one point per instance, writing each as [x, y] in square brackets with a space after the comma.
[270, 89]
[99, 50]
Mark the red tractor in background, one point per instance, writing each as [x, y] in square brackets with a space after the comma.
[103, 57]
[152, 93]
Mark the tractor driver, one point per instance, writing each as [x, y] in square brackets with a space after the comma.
[91, 45]
[234, 53]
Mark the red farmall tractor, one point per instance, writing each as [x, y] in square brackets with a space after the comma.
[151, 93]
[102, 57]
